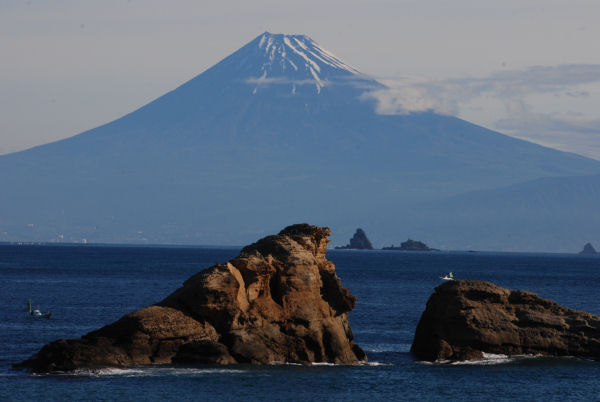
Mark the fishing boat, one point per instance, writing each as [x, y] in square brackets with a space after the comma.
[37, 313]
[448, 277]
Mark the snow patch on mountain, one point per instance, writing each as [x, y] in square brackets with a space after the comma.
[308, 61]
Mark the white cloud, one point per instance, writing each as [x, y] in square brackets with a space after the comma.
[445, 96]
[567, 131]
[412, 95]
[518, 95]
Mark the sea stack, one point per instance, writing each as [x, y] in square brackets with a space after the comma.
[465, 319]
[280, 300]
[588, 249]
[359, 241]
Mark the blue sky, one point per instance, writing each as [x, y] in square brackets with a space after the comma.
[528, 68]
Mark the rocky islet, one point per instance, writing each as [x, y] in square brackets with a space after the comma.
[359, 241]
[411, 245]
[588, 249]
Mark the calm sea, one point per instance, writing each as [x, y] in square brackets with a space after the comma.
[86, 287]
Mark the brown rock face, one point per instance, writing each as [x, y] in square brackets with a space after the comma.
[280, 300]
[465, 319]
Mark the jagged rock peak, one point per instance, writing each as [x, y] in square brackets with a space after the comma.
[465, 319]
[280, 300]
[359, 241]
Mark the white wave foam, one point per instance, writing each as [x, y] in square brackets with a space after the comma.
[386, 347]
[284, 364]
[154, 371]
[327, 364]
[374, 364]
[488, 359]
[370, 364]
[110, 372]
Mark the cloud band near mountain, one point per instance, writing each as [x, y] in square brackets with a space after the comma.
[519, 95]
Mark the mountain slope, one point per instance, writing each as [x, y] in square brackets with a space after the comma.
[557, 214]
[278, 132]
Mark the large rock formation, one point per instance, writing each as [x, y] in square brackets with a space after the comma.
[359, 241]
[588, 249]
[465, 319]
[279, 301]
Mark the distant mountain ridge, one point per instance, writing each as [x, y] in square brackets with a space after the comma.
[555, 214]
[278, 132]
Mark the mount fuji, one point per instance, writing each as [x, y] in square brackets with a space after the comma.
[281, 131]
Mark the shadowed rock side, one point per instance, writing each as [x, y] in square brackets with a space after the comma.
[280, 300]
[359, 241]
[465, 319]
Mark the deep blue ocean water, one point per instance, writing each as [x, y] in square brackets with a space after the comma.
[87, 287]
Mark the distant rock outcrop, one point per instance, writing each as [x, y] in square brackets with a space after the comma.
[411, 245]
[358, 242]
[588, 249]
[465, 319]
[280, 300]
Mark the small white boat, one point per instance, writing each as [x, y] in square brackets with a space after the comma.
[448, 277]
[36, 313]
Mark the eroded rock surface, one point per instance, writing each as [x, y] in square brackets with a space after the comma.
[464, 319]
[280, 300]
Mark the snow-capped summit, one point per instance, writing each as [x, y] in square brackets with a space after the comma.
[291, 60]
[301, 54]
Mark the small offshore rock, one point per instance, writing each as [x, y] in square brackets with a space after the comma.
[359, 241]
[588, 249]
[411, 245]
